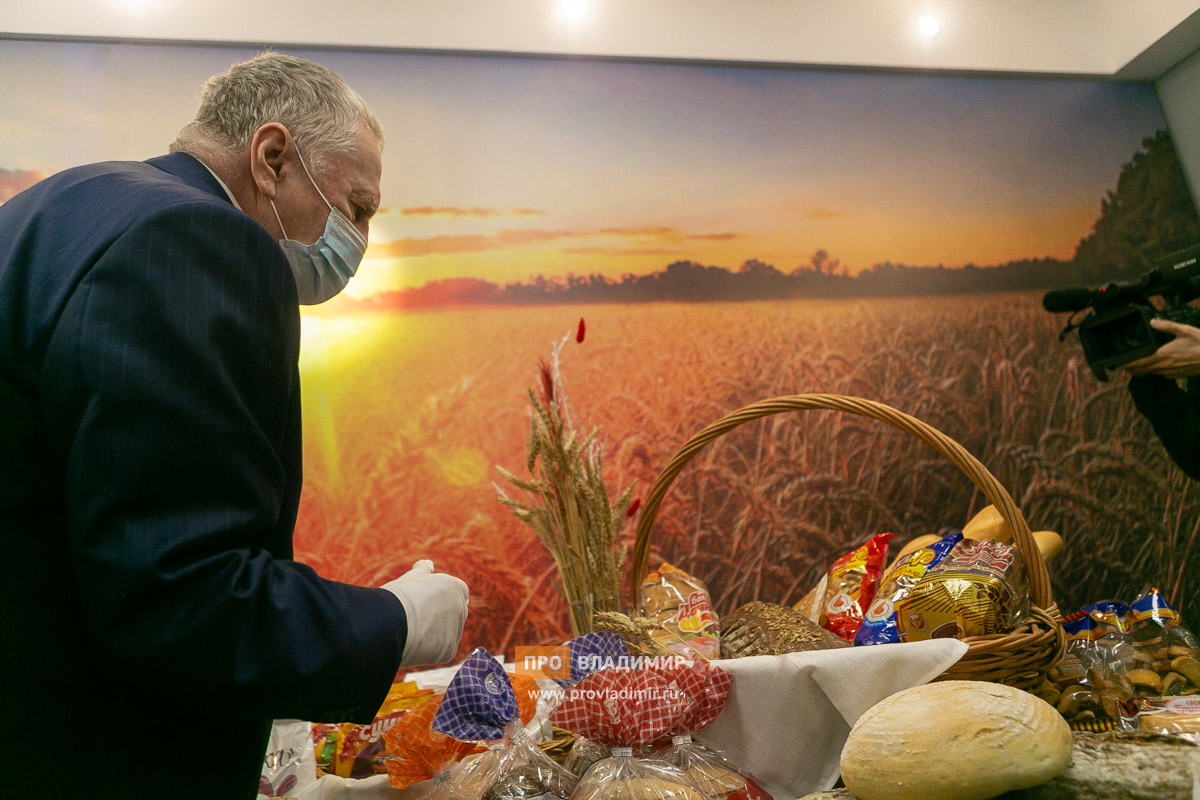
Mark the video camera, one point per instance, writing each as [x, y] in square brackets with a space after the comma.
[1118, 330]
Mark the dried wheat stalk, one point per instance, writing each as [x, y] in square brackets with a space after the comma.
[566, 501]
[638, 632]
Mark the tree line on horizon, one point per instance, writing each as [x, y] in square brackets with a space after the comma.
[1149, 214]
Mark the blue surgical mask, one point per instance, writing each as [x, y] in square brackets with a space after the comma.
[323, 268]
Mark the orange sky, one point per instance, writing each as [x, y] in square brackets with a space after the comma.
[510, 254]
[501, 168]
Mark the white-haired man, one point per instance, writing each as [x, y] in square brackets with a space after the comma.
[150, 459]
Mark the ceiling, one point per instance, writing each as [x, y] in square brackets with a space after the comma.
[1121, 39]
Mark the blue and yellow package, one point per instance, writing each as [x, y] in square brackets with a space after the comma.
[879, 623]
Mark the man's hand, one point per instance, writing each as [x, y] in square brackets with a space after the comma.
[1178, 358]
[436, 606]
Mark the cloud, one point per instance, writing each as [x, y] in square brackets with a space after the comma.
[620, 251]
[666, 234]
[13, 181]
[825, 213]
[467, 243]
[518, 237]
[449, 211]
[648, 232]
[533, 235]
[473, 211]
[432, 245]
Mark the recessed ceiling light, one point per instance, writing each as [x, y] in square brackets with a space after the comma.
[928, 25]
[575, 9]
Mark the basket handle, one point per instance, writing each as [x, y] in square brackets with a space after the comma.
[1039, 578]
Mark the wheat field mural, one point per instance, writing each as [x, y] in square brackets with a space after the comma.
[883, 235]
[401, 452]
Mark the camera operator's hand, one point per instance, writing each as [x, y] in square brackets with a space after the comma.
[1178, 358]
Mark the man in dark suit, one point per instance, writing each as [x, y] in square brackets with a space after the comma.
[1173, 410]
[150, 460]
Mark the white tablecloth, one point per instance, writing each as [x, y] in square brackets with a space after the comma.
[788, 716]
[785, 721]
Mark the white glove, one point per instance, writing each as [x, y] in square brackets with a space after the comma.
[436, 606]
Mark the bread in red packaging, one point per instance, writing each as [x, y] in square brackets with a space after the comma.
[707, 687]
[628, 709]
[850, 586]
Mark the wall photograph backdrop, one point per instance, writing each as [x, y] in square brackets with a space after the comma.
[729, 234]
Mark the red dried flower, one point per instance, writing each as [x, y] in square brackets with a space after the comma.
[547, 383]
[634, 506]
[582, 330]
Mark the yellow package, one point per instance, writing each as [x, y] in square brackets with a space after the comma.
[978, 589]
[680, 603]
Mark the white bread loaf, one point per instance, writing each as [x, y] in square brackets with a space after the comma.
[987, 524]
[644, 789]
[954, 740]
[715, 781]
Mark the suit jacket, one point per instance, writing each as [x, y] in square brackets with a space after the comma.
[1174, 413]
[150, 468]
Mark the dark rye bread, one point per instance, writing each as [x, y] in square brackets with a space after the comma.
[767, 629]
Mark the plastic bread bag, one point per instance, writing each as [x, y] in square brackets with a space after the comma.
[627, 710]
[1164, 671]
[1162, 643]
[879, 623]
[583, 753]
[681, 604]
[1166, 716]
[707, 687]
[480, 705]
[978, 589]
[290, 763]
[415, 752]
[476, 774]
[1088, 683]
[591, 652]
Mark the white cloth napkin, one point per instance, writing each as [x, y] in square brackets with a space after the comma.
[788, 716]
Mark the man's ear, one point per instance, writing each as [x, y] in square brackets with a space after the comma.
[270, 144]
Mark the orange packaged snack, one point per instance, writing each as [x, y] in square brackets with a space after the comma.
[353, 751]
[416, 752]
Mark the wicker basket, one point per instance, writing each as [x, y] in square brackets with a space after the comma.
[1018, 658]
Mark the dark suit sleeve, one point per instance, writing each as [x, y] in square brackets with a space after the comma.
[168, 383]
[1174, 415]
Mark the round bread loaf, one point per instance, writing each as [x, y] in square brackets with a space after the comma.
[954, 740]
[715, 781]
[646, 789]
